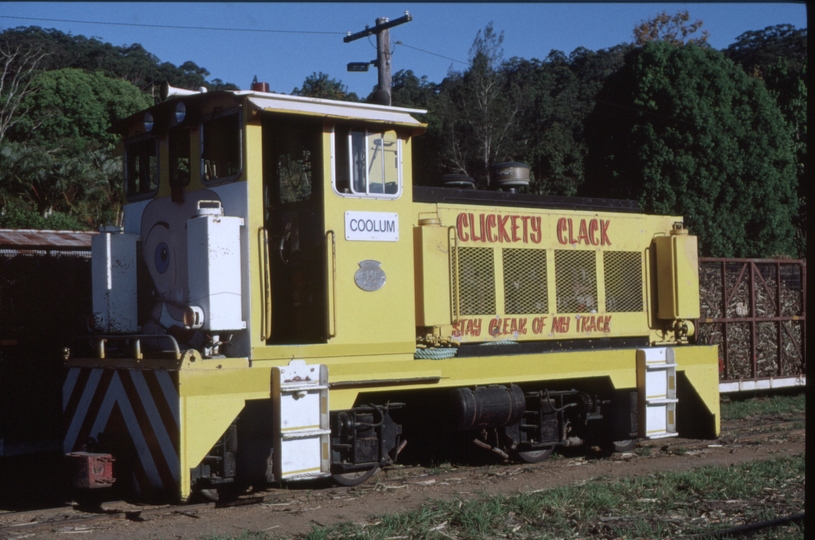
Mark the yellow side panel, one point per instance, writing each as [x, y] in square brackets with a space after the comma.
[210, 401]
[432, 261]
[617, 364]
[701, 366]
[678, 277]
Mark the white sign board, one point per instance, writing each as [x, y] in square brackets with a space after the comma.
[372, 226]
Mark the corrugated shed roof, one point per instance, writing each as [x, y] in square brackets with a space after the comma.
[30, 239]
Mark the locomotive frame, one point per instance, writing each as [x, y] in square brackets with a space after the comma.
[283, 303]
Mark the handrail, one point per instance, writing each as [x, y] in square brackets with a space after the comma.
[136, 339]
[331, 286]
[266, 283]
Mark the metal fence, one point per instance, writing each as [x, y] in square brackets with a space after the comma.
[755, 311]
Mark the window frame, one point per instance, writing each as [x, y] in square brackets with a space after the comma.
[241, 158]
[367, 130]
[138, 196]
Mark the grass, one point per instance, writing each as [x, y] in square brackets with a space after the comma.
[784, 407]
[664, 505]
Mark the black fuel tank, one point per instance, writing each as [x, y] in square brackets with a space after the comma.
[487, 407]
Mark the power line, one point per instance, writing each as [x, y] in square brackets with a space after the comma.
[219, 29]
[175, 27]
[428, 52]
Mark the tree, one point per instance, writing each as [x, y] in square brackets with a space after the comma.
[673, 29]
[777, 55]
[684, 131]
[409, 90]
[477, 110]
[75, 107]
[18, 65]
[319, 85]
[759, 50]
[548, 123]
[131, 62]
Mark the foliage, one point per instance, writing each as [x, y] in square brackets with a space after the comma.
[785, 407]
[319, 85]
[477, 110]
[759, 50]
[16, 215]
[129, 62]
[84, 184]
[673, 29]
[607, 508]
[685, 132]
[18, 65]
[410, 90]
[777, 55]
[74, 107]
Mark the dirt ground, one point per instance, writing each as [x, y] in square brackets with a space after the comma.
[295, 511]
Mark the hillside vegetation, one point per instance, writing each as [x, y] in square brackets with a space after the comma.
[717, 136]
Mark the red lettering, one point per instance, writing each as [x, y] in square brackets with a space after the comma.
[583, 235]
[515, 236]
[536, 230]
[592, 326]
[503, 236]
[526, 219]
[560, 325]
[538, 324]
[461, 223]
[472, 229]
[604, 240]
[607, 324]
[561, 228]
[495, 327]
[467, 327]
[522, 326]
[490, 227]
[571, 238]
[593, 228]
[481, 222]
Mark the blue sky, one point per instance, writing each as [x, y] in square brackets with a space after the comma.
[283, 43]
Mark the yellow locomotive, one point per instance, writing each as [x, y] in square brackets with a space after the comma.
[283, 303]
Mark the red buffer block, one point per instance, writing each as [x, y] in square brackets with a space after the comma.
[87, 470]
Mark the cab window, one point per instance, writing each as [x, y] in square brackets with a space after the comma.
[367, 163]
[179, 147]
[221, 148]
[141, 167]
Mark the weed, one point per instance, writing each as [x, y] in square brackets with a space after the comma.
[657, 506]
[783, 407]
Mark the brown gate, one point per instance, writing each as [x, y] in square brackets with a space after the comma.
[755, 311]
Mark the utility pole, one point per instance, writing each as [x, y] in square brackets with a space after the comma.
[383, 54]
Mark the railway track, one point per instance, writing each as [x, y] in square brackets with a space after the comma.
[290, 511]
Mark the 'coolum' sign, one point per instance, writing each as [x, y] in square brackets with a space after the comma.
[372, 226]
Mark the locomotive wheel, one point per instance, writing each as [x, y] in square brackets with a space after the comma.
[536, 456]
[355, 478]
[626, 445]
[223, 493]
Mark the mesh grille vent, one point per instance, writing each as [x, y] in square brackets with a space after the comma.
[576, 281]
[476, 278]
[525, 281]
[623, 281]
